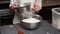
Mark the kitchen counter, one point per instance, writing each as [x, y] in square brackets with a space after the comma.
[45, 28]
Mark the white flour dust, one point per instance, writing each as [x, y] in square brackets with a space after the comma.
[31, 20]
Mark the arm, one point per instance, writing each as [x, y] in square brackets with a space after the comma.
[38, 5]
[13, 3]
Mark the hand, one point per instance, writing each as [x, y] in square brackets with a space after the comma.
[36, 7]
[12, 7]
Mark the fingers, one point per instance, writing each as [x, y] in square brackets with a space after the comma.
[12, 7]
[36, 7]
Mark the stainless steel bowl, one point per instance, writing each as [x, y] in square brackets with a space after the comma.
[32, 25]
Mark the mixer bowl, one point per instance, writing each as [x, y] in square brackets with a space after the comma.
[32, 25]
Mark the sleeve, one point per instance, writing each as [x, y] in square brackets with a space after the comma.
[13, 2]
[39, 3]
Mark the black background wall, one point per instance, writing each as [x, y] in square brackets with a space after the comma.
[4, 5]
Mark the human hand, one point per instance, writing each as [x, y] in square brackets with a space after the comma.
[36, 7]
[12, 7]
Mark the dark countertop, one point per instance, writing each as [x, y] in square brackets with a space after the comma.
[45, 28]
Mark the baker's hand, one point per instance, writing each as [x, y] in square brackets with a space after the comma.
[36, 7]
[12, 7]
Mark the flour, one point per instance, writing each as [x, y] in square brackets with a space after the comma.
[31, 20]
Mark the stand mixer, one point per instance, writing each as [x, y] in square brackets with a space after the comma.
[25, 11]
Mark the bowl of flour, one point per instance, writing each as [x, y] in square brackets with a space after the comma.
[31, 23]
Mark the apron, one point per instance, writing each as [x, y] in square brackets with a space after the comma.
[16, 19]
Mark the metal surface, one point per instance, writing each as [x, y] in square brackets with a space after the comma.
[32, 25]
[45, 28]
